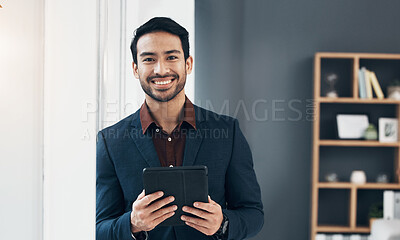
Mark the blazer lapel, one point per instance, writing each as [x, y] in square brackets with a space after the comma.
[194, 138]
[144, 142]
[193, 141]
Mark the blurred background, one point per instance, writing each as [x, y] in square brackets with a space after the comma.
[65, 73]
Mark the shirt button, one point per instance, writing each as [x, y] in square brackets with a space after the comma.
[169, 139]
[157, 130]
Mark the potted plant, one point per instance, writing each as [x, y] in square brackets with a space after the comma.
[375, 212]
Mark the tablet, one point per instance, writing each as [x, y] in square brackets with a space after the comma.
[187, 184]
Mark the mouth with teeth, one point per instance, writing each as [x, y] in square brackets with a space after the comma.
[163, 83]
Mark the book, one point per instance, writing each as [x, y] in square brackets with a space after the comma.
[388, 204]
[361, 84]
[396, 205]
[375, 85]
[368, 86]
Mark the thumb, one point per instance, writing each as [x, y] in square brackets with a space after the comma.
[141, 195]
[210, 200]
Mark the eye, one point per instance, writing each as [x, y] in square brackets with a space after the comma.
[172, 57]
[148, 60]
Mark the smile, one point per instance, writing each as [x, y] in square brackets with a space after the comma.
[162, 82]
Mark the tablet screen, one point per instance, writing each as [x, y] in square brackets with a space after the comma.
[187, 184]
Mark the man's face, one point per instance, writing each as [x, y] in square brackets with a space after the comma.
[161, 66]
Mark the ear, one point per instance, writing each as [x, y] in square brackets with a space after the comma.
[135, 70]
[189, 64]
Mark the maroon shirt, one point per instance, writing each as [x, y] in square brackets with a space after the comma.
[169, 147]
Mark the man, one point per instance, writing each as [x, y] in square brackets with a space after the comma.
[168, 130]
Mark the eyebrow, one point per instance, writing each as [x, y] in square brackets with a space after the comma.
[172, 51]
[152, 53]
[147, 54]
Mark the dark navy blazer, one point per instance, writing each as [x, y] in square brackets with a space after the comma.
[123, 152]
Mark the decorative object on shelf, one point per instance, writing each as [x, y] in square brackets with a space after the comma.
[351, 126]
[355, 237]
[375, 212]
[385, 229]
[388, 204]
[382, 178]
[391, 204]
[331, 177]
[320, 236]
[367, 83]
[358, 177]
[393, 90]
[337, 237]
[388, 128]
[331, 79]
[375, 85]
[371, 133]
[362, 87]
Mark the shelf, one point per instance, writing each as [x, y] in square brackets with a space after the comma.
[357, 100]
[348, 185]
[342, 229]
[357, 143]
[342, 207]
[389, 56]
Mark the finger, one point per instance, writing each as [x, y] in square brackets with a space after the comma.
[151, 197]
[205, 206]
[195, 220]
[197, 212]
[162, 218]
[199, 228]
[161, 203]
[163, 211]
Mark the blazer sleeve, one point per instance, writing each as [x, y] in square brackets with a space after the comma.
[243, 195]
[112, 222]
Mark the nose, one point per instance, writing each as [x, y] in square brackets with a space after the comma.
[161, 68]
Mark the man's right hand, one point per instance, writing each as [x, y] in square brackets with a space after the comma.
[147, 213]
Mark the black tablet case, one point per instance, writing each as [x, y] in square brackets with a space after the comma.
[186, 184]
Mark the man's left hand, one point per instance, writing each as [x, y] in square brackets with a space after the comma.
[209, 217]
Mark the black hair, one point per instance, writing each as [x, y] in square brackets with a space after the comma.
[161, 24]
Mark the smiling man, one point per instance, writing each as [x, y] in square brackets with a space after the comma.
[168, 130]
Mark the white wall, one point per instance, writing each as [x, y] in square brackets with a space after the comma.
[69, 140]
[21, 74]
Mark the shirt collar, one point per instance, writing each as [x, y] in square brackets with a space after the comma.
[188, 115]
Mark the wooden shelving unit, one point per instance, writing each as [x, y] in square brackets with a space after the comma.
[348, 185]
[356, 143]
[342, 229]
[357, 100]
[350, 100]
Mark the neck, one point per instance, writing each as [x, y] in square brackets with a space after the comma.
[167, 114]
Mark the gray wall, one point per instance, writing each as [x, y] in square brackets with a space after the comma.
[259, 53]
